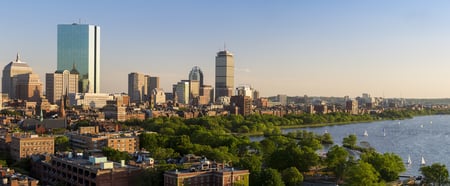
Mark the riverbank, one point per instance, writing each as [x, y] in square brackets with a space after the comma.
[316, 125]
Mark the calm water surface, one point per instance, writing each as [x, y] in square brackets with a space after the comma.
[426, 136]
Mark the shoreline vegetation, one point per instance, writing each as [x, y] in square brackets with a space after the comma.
[225, 139]
[258, 125]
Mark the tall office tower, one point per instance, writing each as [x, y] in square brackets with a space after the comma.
[181, 92]
[194, 91]
[282, 98]
[137, 87]
[59, 84]
[10, 72]
[206, 95]
[29, 87]
[153, 82]
[197, 75]
[79, 44]
[224, 74]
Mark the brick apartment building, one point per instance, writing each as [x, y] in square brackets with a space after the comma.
[207, 173]
[65, 169]
[90, 141]
[25, 145]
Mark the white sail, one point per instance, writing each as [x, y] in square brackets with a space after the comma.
[409, 162]
[365, 133]
[422, 161]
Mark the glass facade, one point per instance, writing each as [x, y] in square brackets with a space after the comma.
[79, 46]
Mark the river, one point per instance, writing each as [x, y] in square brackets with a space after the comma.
[427, 136]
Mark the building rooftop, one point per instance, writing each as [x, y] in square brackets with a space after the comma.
[94, 164]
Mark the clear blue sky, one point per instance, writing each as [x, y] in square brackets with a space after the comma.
[316, 47]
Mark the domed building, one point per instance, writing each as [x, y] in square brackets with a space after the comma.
[196, 74]
[10, 73]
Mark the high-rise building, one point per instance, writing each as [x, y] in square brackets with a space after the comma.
[224, 74]
[197, 75]
[59, 84]
[194, 89]
[137, 87]
[28, 87]
[9, 78]
[206, 95]
[181, 92]
[140, 86]
[153, 82]
[282, 98]
[79, 44]
[241, 105]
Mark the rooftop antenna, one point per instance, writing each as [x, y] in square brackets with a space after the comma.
[224, 46]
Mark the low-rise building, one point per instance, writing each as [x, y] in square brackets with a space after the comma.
[124, 144]
[207, 173]
[25, 145]
[89, 141]
[10, 178]
[81, 170]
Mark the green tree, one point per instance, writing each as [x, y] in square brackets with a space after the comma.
[292, 177]
[361, 173]
[3, 163]
[350, 141]
[285, 157]
[115, 155]
[152, 176]
[62, 144]
[253, 163]
[327, 139]
[271, 177]
[160, 153]
[436, 173]
[389, 165]
[148, 140]
[336, 161]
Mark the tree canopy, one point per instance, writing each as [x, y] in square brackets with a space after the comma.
[436, 173]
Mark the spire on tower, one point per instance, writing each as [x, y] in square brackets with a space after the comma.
[18, 57]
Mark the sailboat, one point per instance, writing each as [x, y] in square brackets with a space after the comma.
[409, 162]
[365, 133]
[422, 162]
[384, 132]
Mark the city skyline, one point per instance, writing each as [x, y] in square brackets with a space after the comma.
[327, 48]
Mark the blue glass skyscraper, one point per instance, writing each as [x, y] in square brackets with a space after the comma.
[79, 47]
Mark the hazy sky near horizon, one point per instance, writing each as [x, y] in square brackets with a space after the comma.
[316, 47]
